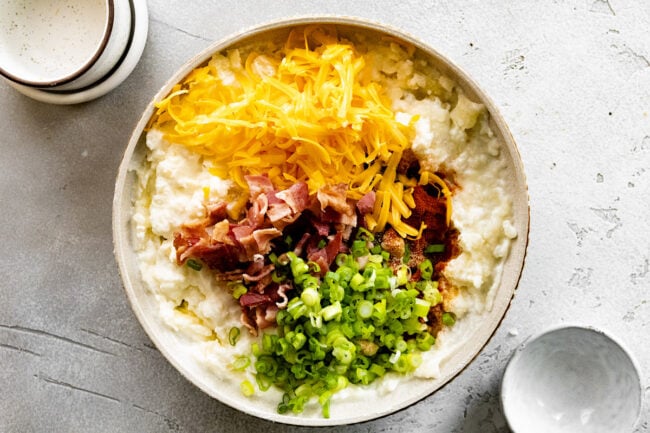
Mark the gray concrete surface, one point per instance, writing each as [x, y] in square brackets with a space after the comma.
[572, 78]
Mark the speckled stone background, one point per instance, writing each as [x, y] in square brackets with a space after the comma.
[572, 79]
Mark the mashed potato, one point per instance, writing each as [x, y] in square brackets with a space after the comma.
[452, 135]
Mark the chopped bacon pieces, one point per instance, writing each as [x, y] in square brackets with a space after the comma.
[325, 256]
[313, 227]
[258, 184]
[296, 196]
[236, 249]
[254, 299]
[366, 204]
[234, 243]
[335, 197]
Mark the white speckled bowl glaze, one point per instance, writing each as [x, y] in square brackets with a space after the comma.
[347, 412]
[62, 44]
[571, 380]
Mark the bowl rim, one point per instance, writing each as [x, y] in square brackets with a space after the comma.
[364, 24]
[85, 67]
[585, 328]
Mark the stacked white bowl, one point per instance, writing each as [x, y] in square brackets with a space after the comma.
[68, 51]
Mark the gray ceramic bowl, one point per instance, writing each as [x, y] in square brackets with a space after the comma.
[571, 380]
[345, 412]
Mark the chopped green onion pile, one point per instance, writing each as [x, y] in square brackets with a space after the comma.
[354, 325]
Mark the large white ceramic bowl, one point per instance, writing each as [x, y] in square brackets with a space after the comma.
[62, 44]
[146, 308]
[571, 380]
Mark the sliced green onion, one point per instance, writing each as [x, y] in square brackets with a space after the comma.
[297, 308]
[407, 253]
[263, 382]
[238, 289]
[241, 363]
[403, 275]
[426, 269]
[365, 235]
[424, 341]
[247, 388]
[276, 277]
[435, 248]
[448, 319]
[421, 308]
[364, 309]
[269, 342]
[310, 297]
[356, 281]
[379, 312]
[233, 335]
[194, 264]
[331, 311]
[375, 258]
[313, 267]
[431, 294]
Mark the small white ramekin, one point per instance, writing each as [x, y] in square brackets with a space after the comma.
[571, 379]
[62, 44]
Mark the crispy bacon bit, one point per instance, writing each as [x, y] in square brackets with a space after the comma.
[259, 310]
[258, 185]
[263, 238]
[249, 244]
[257, 270]
[324, 257]
[235, 275]
[257, 211]
[366, 204]
[296, 196]
[288, 205]
[322, 228]
[254, 299]
[333, 217]
[216, 255]
[248, 322]
[409, 164]
[224, 245]
[297, 250]
[262, 285]
[278, 211]
[216, 211]
[282, 294]
[335, 197]
[265, 318]
[256, 266]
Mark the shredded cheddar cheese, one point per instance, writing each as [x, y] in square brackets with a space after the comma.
[306, 111]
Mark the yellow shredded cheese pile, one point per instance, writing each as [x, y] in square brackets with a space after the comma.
[306, 111]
